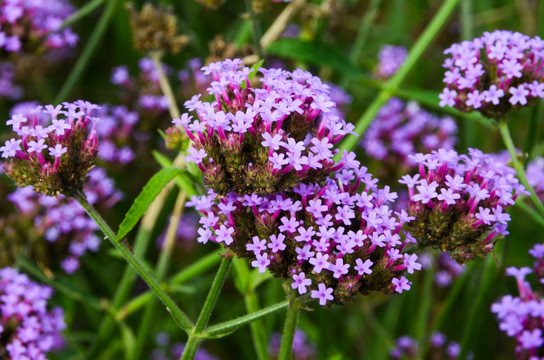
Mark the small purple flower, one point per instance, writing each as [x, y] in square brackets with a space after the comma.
[300, 283]
[323, 293]
[261, 262]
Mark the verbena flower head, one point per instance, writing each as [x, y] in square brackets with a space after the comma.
[459, 201]
[437, 348]
[35, 25]
[28, 330]
[522, 317]
[401, 129]
[494, 74]
[390, 59]
[329, 240]
[303, 349]
[54, 148]
[263, 139]
[64, 225]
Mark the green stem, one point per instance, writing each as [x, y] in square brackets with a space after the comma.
[207, 262]
[422, 318]
[256, 33]
[90, 46]
[362, 32]
[81, 13]
[289, 328]
[413, 57]
[195, 337]
[160, 271]
[179, 316]
[507, 138]
[227, 327]
[258, 333]
[165, 85]
[536, 216]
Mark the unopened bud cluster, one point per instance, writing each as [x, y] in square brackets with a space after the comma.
[460, 201]
[495, 73]
[262, 139]
[54, 149]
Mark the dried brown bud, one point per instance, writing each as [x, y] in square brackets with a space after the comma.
[221, 50]
[155, 29]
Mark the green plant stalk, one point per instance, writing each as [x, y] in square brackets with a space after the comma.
[430, 32]
[256, 33]
[227, 327]
[81, 13]
[533, 214]
[289, 327]
[165, 85]
[195, 336]
[507, 138]
[160, 272]
[362, 32]
[88, 51]
[424, 310]
[179, 316]
[258, 333]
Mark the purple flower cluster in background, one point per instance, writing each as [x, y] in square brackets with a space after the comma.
[54, 149]
[62, 221]
[193, 79]
[8, 89]
[523, 317]
[303, 349]
[402, 129]
[535, 176]
[143, 92]
[29, 22]
[166, 350]
[438, 348]
[329, 240]
[390, 59]
[28, 330]
[262, 139]
[460, 201]
[448, 270]
[494, 73]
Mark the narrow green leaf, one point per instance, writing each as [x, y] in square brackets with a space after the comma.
[241, 275]
[129, 341]
[315, 53]
[185, 181]
[258, 278]
[146, 197]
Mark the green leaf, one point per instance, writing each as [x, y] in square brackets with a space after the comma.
[146, 197]
[315, 53]
[258, 278]
[241, 275]
[252, 73]
[129, 341]
[186, 182]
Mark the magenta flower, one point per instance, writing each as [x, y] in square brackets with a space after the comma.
[323, 293]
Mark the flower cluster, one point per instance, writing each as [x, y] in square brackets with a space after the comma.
[55, 148]
[329, 240]
[438, 349]
[69, 232]
[28, 330]
[402, 129]
[460, 201]
[193, 79]
[28, 25]
[8, 89]
[448, 270]
[523, 317]
[495, 73]
[263, 140]
[390, 59]
[302, 348]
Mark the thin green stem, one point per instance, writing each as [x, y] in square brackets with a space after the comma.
[81, 13]
[507, 138]
[207, 262]
[422, 318]
[529, 211]
[258, 333]
[413, 57]
[165, 85]
[362, 32]
[289, 327]
[179, 316]
[195, 337]
[160, 271]
[90, 46]
[256, 33]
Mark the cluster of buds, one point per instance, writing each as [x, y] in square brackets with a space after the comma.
[329, 240]
[402, 129]
[35, 25]
[155, 29]
[438, 348]
[55, 148]
[460, 201]
[69, 232]
[303, 349]
[390, 59]
[263, 140]
[28, 330]
[495, 73]
[523, 317]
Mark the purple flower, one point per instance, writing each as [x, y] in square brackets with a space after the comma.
[323, 293]
[390, 60]
[399, 285]
[261, 262]
[300, 283]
